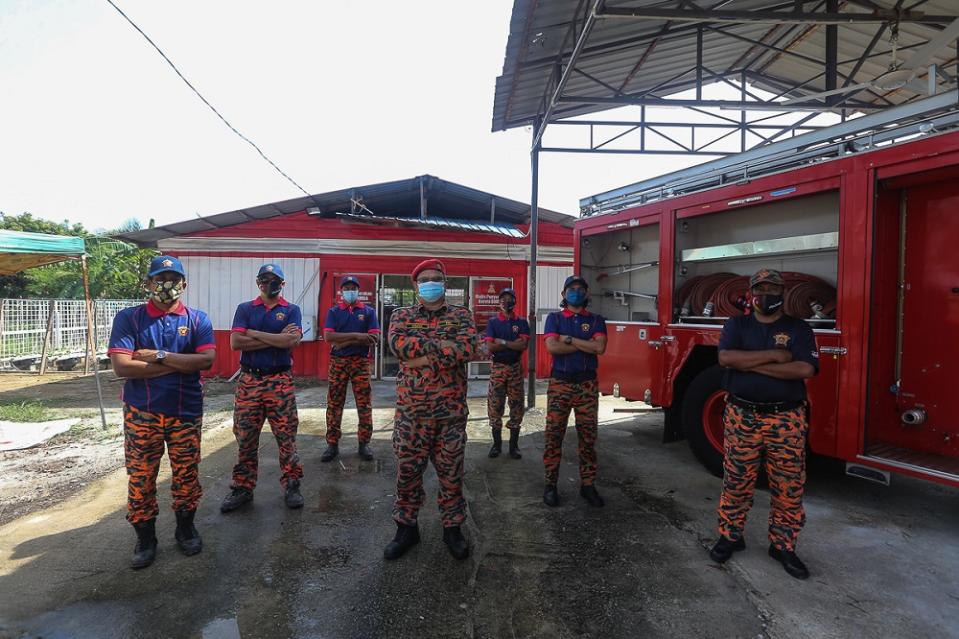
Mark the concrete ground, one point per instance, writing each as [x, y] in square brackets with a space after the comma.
[884, 561]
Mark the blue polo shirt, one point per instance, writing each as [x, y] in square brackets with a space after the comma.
[256, 315]
[508, 328]
[180, 330]
[746, 333]
[578, 366]
[358, 318]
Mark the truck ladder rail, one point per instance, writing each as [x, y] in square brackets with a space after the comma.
[934, 114]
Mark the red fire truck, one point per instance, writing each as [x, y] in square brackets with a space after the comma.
[863, 218]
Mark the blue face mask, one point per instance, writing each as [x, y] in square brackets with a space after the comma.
[575, 296]
[431, 291]
[350, 297]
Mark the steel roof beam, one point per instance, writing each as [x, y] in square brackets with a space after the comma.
[663, 102]
[773, 17]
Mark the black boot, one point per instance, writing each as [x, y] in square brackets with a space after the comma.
[406, 537]
[550, 496]
[186, 535]
[514, 444]
[725, 548]
[330, 453]
[497, 446]
[292, 496]
[591, 496]
[793, 565]
[456, 542]
[146, 548]
[366, 453]
[235, 499]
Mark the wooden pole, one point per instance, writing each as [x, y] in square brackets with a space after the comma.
[96, 369]
[45, 351]
[91, 344]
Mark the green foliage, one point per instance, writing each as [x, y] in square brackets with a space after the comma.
[23, 412]
[116, 268]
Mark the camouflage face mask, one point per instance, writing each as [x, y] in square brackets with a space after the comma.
[167, 292]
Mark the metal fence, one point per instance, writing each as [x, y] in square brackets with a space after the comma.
[23, 326]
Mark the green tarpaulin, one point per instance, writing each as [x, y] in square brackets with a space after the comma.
[19, 251]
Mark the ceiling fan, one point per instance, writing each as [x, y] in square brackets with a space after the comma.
[899, 73]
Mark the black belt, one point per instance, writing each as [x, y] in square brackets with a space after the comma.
[264, 372]
[577, 377]
[764, 407]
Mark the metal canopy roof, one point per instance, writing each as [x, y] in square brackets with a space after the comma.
[640, 51]
[413, 199]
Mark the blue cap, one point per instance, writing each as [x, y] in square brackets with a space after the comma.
[507, 291]
[271, 269]
[349, 279]
[573, 279]
[165, 263]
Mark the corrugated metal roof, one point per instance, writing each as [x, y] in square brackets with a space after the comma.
[433, 222]
[667, 53]
[392, 200]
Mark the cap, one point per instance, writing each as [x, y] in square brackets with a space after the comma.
[507, 291]
[349, 279]
[271, 269]
[165, 263]
[767, 275]
[430, 264]
[573, 279]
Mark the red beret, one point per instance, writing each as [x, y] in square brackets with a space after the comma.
[430, 264]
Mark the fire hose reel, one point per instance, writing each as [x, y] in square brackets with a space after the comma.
[913, 417]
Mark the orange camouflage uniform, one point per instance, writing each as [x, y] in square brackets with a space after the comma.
[431, 409]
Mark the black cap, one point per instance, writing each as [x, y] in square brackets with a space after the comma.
[507, 291]
[573, 279]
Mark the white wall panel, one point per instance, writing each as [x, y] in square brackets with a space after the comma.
[549, 291]
[217, 284]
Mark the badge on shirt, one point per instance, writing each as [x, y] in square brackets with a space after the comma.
[361, 317]
[280, 316]
[516, 329]
[183, 330]
[585, 327]
[781, 340]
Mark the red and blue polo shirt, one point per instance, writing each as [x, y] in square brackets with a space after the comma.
[179, 330]
[578, 366]
[508, 328]
[358, 318]
[258, 316]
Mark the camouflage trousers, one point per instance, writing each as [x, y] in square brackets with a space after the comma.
[417, 440]
[749, 437]
[144, 436]
[343, 372]
[270, 397]
[582, 398]
[505, 381]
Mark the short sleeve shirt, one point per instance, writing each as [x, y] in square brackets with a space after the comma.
[509, 328]
[181, 330]
[578, 366]
[257, 316]
[358, 318]
[746, 333]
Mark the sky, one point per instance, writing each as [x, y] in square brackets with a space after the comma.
[96, 128]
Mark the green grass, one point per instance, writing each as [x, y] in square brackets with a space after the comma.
[27, 411]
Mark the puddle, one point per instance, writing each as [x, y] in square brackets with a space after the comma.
[221, 629]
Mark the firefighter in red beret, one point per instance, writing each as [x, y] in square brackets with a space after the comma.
[434, 341]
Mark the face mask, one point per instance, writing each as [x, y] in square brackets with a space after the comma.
[350, 297]
[431, 291]
[509, 305]
[167, 292]
[767, 303]
[575, 296]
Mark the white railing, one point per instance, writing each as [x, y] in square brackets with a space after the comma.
[23, 327]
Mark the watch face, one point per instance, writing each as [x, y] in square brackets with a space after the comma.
[161, 354]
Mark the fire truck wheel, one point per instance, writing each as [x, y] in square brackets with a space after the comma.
[703, 404]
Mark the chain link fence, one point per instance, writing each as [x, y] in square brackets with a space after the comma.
[23, 328]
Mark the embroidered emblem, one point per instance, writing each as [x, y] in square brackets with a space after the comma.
[269, 267]
[183, 330]
[516, 329]
[585, 327]
[361, 317]
[280, 315]
[781, 340]
[168, 263]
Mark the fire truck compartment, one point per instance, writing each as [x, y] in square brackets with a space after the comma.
[622, 269]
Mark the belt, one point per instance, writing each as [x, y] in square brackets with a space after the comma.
[264, 372]
[764, 407]
[577, 377]
[496, 361]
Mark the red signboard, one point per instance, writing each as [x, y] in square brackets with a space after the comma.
[486, 299]
[367, 287]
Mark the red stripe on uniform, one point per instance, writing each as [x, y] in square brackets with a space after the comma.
[205, 347]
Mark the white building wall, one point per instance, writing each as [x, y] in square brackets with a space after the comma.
[216, 285]
[549, 291]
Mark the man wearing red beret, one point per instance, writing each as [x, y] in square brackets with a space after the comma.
[433, 341]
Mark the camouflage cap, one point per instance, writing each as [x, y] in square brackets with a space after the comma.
[767, 275]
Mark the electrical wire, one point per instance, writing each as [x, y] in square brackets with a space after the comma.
[206, 102]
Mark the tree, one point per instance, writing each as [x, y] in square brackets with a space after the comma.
[116, 268]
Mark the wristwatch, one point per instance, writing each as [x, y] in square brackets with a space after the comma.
[161, 355]
[568, 340]
[500, 341]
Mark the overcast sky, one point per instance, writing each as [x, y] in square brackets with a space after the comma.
[96, 128]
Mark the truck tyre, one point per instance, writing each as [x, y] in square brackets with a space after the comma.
[702, 410]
